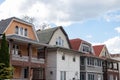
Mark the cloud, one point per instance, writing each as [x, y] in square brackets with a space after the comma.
[117, 29]
[89, 36]
[112, 16]
[112, 44]
[59, 12]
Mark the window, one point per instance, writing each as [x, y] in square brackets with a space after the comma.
[26, 73]
[95, 62]
[16, 30]
[86, 48]
[116, 78]
[110, 65]
[115, 65]
[62, 75]
[21, 31]
[90, 76]
[26, 32]
[111, 77]
[99, 62]
[59, 41]
[90, 61]
[15, 49]
[99, 77]
[74, 59]
[63, 57]
[82, 76]
[38, 74]
[82, 60]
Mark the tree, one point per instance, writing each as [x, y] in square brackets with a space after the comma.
[5, 72]
[4, 52]
[33, 21]
[5, 68]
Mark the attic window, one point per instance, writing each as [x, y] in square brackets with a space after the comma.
[86, 48]
[21, 31]
[16, 30]
[59, 41]
[26, 32]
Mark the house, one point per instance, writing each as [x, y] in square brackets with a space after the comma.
[110, 66]
[90, 65]
[62, 62]
[23, 47]
[116, 57]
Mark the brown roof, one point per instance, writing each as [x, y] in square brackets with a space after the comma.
[98, 49]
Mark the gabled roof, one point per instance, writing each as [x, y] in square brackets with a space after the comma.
[4, 24]
[45, 36]
[98, 49]
[75, 43]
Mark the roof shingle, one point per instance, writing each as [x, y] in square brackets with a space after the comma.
[75, 43]
[44, 36]
[98, 49]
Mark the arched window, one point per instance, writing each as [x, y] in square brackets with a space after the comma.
[26, 32]
[16, 30]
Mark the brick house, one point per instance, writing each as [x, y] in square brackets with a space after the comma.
[23, 47]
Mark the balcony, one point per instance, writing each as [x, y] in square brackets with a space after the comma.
[17, 55]
[36, 60]
[19, 58]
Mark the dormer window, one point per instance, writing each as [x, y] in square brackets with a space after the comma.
[21, 31]
[25, 34]
[16, 30]
[59, 41]
[86, 48]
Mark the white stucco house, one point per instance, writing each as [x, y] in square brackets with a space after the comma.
[62, 63]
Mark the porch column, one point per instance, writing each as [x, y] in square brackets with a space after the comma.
[10, 50]
[30, 56]
[45, 52]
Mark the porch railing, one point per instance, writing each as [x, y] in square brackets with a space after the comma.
[19, 58]
[36, 60]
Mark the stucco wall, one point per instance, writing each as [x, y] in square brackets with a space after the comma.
[51, 66]
[68, 65]
[57, 34]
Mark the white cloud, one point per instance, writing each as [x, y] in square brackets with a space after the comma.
[89, 36]
[60, 12]
[117, 29]
[112, 44]
[112, 16]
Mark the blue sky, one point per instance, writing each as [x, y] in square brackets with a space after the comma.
[95, 21]
[93, 30]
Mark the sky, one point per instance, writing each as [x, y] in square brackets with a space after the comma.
[95, 21]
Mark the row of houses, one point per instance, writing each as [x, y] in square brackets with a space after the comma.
[50, 55]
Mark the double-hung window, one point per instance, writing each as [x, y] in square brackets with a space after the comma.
[62, 75]
[15, 49]
[21, 31]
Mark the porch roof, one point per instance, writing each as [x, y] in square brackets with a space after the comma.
[26, 40]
